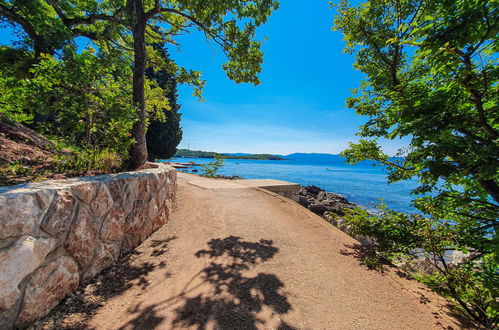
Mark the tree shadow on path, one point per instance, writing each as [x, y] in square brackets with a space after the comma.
[232, 299]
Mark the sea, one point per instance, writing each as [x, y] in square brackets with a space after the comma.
[363, 183]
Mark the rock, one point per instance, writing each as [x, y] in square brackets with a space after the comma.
[161, 196]
[113, 226]
[105, 256]
[85, 192]
[27, 254]
[19, 214]
[59, 216]
[102, 201]
[130, 195]
[144, 188]
[129, 243]
[321, 195]
[318, 209]
[147, 229]
[44, 198]
[312, 190]
[304, 201]
[117, 190]
[81, 241]
[136, 219]
[161, 219]
[46, 288]
[152, 209]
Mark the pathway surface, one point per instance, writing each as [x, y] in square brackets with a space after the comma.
[242, 258]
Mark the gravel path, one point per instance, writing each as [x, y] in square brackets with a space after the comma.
[242, 258]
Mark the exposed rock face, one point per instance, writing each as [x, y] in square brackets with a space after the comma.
[331, 207]
[320, 201]
[57, 234]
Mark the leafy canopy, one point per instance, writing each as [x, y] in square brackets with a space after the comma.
[432, 75]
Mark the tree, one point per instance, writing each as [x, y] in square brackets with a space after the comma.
[431, 75]
[163, 136]
[230, 24]
[135, 23]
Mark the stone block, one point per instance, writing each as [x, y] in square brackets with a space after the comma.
[160, 219]
[102, 201]
[136, 219]
[105, 256]
[85, 191]
[58, 217]
[113, 226]
[46, 288]
[81, 241]
[22, 258]
[19, 214]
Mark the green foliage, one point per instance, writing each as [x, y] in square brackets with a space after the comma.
[210, 169]
[422, 246]
[432, 75]
[87, 160]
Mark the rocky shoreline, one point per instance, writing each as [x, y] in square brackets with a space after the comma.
[321, 202]
[331, 207]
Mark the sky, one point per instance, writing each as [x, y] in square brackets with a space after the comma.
[298, 107]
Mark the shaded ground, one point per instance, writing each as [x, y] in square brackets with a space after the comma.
[240, 258]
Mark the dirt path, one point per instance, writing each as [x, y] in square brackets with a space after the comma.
[234, 258]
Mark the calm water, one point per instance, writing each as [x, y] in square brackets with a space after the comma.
[363, 184]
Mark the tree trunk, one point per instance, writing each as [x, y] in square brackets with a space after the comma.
[138, 151]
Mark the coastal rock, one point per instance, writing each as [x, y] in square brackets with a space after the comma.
[47, 287]
[320, 201]
[27, 254]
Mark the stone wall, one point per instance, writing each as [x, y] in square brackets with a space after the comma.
[55, 235]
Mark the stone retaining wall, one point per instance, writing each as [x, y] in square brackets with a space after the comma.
[55, 235]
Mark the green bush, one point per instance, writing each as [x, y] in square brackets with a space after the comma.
[210, 169]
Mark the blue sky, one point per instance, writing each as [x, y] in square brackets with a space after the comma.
[300, 105]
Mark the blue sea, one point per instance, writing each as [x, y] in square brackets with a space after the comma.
[363, 184]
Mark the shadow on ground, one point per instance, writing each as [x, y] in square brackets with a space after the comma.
[363, 253]
[233, 299]
[130, 270]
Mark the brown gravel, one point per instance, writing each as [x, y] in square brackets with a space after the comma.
[248, 259]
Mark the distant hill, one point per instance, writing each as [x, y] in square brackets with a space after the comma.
[315, 157]
[185, 153]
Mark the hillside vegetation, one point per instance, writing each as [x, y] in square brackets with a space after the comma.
[210, 154]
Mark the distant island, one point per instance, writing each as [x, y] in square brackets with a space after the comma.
[186, 153]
